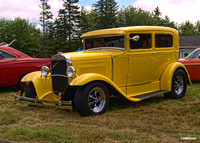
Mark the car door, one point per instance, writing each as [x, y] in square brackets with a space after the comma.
[165, 52]
[141, 64]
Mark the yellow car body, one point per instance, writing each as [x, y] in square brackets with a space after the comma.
[132, 72]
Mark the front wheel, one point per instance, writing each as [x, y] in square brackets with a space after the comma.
[91, 99]
[179, 85]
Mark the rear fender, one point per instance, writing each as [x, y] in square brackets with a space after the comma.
[166, 79]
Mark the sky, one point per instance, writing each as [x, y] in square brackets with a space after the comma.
[177, 10]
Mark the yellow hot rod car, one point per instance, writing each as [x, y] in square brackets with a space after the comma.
[137, 62]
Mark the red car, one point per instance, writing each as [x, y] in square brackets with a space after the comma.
[14, 65]
[192, 63]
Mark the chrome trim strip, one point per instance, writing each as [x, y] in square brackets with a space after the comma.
[112, 64]
[192, 64]
[58, 75]
[109, 48]
[111, 60]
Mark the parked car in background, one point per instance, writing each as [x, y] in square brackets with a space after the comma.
[14, 65]
[192, 63]
[136, 62]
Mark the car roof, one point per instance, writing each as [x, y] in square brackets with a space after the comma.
[14, 52]
[124, 30]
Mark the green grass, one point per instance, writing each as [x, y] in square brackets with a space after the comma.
[152, 120]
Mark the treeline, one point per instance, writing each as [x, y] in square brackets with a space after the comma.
[63, 33]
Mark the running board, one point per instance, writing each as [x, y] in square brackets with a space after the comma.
[151, 94]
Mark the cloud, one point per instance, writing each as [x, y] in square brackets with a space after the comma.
[177, 10]
[27, 9]
[15, 8]
[55, 6]
[88, 8]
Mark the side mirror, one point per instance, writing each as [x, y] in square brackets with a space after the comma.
[135, 38]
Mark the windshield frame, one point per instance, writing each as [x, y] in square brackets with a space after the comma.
[97, 48]
[191, 54]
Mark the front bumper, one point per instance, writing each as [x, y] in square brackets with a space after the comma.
[43, 103]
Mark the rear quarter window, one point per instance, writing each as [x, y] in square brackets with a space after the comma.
[4, 55]
[163, 40]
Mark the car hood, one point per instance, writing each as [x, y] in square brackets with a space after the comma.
[182, 61]
[94, 54]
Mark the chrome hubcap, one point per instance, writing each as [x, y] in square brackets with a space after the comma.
[96, 99]
[178, 84]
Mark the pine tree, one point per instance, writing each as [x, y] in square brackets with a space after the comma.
[106, 13]
[67, 24]
[45, 19]
[157, 13]
[87, 21]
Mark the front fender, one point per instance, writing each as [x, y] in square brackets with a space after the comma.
[90, 77]
[166, 79]
[43, 85]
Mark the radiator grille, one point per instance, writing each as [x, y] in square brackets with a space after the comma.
[59, 74]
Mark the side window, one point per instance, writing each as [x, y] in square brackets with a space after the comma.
[196, 55]
[144, 41]
[163, 40]
[4, 55]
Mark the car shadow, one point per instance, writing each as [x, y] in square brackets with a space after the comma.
[8, 89]
[120, 102]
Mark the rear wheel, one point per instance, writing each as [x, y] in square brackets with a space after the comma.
[92, 99]
[179, 85]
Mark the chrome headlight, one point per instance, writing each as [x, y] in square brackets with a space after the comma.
[44, 71]
[70, 71]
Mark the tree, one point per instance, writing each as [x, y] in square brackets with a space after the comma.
[87, 21]
[187, 29]
[132, 16]
[166, 22]
[106, 13]
[67, 25]
[46, 17]
[198, 28]
[26, 35]
[157, 13]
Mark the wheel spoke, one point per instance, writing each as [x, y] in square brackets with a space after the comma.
[95, 104]
[92, 103]
[176, 83]
[96, 99]
[95, 93]
[101, 98]
[91, 96]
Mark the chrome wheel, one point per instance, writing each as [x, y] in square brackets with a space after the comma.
[91, 99]
[178, 84]
[96, 99]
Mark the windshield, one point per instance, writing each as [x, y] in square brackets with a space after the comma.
[190, 55]
[109, 41]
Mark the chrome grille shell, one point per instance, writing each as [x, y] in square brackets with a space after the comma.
[59, 64]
